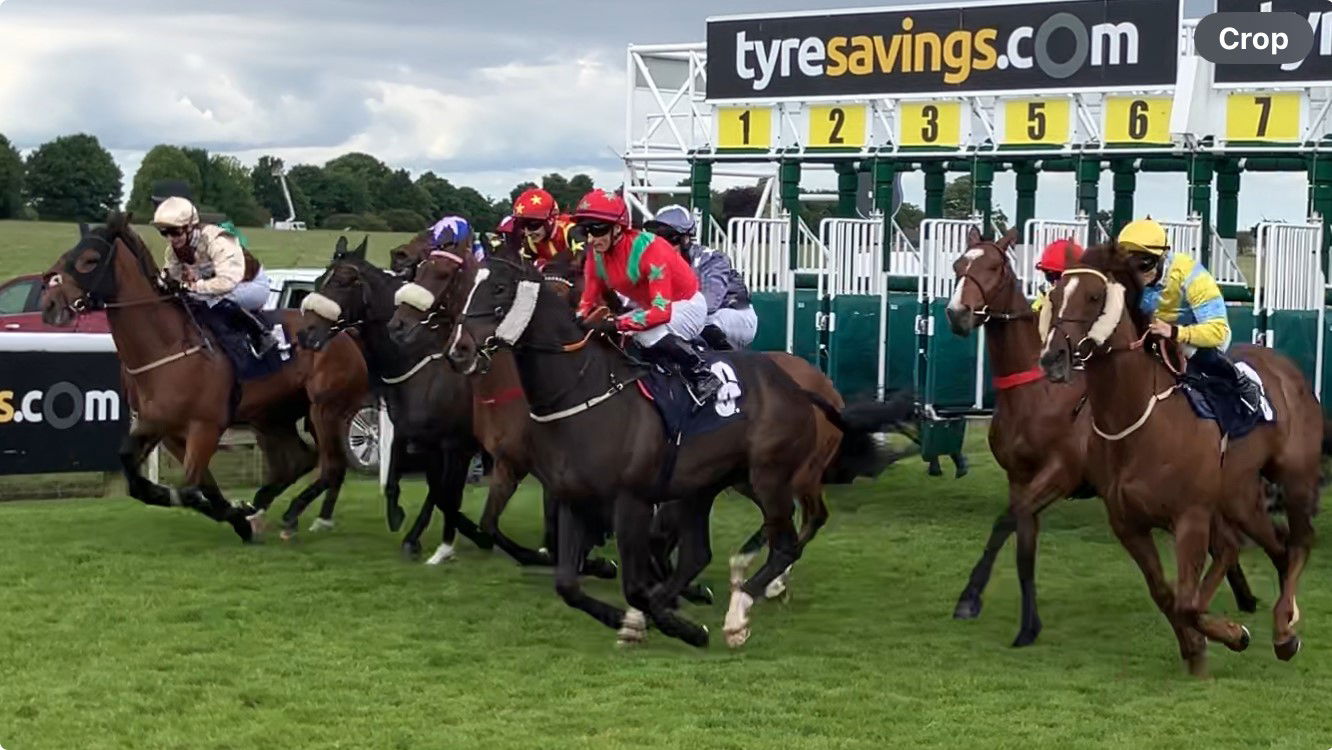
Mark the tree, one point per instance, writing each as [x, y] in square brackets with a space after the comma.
[230, 193]
[579, 185]
[909, 216]
[443, 195]
[199, 156]
[11, 181]
[480, 210]
[364, 168]
[739, 201]
[958, 202]
[397, 192]
[73, 178]
[267, 192]
[330, 192]
[162, 162]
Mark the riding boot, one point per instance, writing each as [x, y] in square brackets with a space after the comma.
[261, 340]
[715, 338]
[702, 381]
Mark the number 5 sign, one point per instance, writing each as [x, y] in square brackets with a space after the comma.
[1036, 122]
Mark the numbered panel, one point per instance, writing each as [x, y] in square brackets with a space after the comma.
[1137, 119]
[1264, 116]
[838, 126]
[744, 127]
[1036, 122]
[935, 123]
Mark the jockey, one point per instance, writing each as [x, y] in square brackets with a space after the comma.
[732, 322]
[543, 229]
[210, 263]
[1054, 261]
[1185, 304]
[648, 271]
[456, 232]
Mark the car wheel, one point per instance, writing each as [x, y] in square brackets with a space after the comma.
[363, 440]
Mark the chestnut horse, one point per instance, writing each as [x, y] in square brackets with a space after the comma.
[1039, 433]
[182, 385]
[1157, 465]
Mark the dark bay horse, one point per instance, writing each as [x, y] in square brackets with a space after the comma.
[430, 405]
[1039, 434]
[181, 385]
[599, 448]
[1157, 465]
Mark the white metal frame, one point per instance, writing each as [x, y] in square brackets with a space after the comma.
[1289, 276]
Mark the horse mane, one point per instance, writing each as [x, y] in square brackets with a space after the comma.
[1110, 260]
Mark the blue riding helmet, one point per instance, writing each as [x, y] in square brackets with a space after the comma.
[677, 218]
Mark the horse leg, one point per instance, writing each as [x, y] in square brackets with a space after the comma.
[329, 427]
[633, 527]
[286, 459]
[504, 479]
[1259, 526]
[1224, 533]
[691, 527]
[1027, 503]
[455, 484]
[772, 492]
[1192, 535]
[393, 488]
[411, 543]
[969, 602]
[571, 535]
[1140, 546]
[200, 445]
[1300, 494]
[133, 450]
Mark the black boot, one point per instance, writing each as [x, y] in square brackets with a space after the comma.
[261, 340]
[715, 338]
[702, 381]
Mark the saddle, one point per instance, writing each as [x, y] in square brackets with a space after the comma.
[1215, 395]
[682, 416]
[235, 343]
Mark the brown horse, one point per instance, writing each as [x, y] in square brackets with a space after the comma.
[183, 386]
[1157, 465]
[1039, 433]
[580, 386]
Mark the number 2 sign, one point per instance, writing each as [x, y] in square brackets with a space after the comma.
[837, 126]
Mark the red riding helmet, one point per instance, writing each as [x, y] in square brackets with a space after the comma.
[1054, 259]
[600, 205]
[535, 203]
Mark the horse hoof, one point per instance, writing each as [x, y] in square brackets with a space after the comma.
[600, 568]
[287, 535]
[395, 518]
[698, 594]
[242, 526]
[443, 554]
[736, 639]
[1027, 635]
[967, 608]
[322, 524]
[1248, 606]
[1244, 639]
[1287, 651]
[411, 550]
[633, 629]
[256, 521]
[776, 589]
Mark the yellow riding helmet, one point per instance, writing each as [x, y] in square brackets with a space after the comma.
[1144, 236]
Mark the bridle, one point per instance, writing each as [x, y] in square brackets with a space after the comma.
[93, 299]
[985, 314]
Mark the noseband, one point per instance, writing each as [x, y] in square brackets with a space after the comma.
[985, 314]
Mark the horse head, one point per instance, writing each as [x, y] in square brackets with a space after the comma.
[433, 300]
[92, 274]
[404, 258]
[344, 298]
[499, 305]
[1093, 309]
[987, 287]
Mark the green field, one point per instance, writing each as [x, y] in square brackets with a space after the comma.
[136, 627]
[32, 246]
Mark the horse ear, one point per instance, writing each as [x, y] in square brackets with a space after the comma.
[83, 229]
[1069, 258]
[359, 252]
[973, 237]
[340, 249]
[1009, 239]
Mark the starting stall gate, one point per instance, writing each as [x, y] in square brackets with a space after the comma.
[1289, 291]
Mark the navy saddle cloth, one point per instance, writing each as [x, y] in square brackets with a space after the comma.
[236, 343]
[1219, 401]
[681, 415]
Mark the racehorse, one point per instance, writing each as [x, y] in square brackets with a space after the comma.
[1157, 465]
[183, 390]
[1039, 433]
[600, 449]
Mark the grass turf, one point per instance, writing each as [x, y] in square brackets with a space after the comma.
[135, 627]
[32, 246]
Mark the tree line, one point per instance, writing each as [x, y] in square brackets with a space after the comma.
[74, 178]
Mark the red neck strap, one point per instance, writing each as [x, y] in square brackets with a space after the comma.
[503, 397]
[1018, 379]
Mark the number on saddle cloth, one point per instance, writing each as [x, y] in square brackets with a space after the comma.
[681, 416]
[234, 341]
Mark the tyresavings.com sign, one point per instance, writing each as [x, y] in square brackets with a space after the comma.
[60, 411]
[1082, 44]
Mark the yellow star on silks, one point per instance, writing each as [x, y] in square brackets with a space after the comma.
[536, 200]
[522, 208]
[576, 246]
[660, 302]
[655, 272]
[639, 316]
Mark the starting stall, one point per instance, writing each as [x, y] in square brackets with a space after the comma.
[1091, 89]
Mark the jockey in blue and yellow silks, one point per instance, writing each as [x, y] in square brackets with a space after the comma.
[1185, 304]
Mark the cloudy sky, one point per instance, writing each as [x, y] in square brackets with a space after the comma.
[486, 93]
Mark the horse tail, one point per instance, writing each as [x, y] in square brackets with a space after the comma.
[858, 454]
